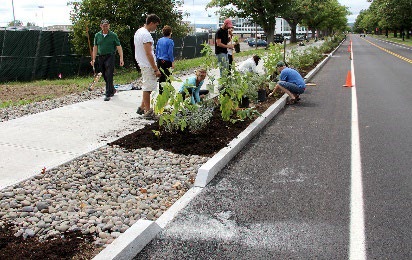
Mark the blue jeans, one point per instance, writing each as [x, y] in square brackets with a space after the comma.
[223, 63]
[291, 87]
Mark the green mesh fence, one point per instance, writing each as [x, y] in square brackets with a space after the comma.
[34, 55]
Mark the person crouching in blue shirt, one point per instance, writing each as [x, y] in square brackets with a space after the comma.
[164, 55]
[193, 85]
[290, 82]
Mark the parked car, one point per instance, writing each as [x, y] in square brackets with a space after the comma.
[300, 38]
[278, 38]
[260, 43]
[247, 40]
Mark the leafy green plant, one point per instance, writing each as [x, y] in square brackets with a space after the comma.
[274, 55]
[209, 58]
[235, 87]
[236, 39]
[196, 117]
[177, 114]
[307, 58]
[249, 113]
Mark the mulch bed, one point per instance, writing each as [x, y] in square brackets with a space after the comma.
[206, 142]
[73, 245]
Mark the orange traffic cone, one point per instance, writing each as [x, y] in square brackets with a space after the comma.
[348, 80]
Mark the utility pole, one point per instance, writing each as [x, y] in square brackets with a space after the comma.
[194, 18]
[42, 13]
[14, 18]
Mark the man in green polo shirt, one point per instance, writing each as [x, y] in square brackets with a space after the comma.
[106, 43]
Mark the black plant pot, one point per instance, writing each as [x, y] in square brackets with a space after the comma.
[244, 103]
[261, 95]
[237, 48]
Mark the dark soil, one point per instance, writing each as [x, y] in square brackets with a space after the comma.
[206, 142]
[73, 245]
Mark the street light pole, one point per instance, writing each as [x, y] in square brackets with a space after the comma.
[194, 17]
[42, 18]
[14, 18]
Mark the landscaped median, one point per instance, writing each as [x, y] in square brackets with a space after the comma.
[124, 197]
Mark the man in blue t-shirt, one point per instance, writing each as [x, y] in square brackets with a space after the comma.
[290, 82]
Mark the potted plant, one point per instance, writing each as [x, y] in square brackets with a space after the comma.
[258, 84]
[236, 43]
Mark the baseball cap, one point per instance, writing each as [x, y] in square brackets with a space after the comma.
[104, 21]
[228, 23]
[280, 64]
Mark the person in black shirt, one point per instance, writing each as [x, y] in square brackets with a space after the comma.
[221, 46]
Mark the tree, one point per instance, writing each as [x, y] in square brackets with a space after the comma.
[253, 11]
[295, 13]
[125, 17]
[326, 15]
[393, 15]
[15, 23]
[336, 17]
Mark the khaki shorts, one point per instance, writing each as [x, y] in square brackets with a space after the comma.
[149, 79]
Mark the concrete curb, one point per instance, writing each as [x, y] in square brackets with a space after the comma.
[126, 246]
[130, 242]
[181, 203]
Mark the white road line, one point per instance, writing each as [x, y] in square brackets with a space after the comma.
[357, 246]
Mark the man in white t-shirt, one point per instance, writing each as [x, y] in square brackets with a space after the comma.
[249, 65]
[145, 57]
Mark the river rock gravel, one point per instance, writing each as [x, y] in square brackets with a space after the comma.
[101, 193]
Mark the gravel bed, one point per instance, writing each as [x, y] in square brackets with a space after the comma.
[101, 193]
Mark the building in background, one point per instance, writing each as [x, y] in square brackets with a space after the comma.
[246, 28]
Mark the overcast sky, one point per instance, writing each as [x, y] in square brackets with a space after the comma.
[55, 12]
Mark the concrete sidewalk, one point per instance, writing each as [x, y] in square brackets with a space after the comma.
[53, 137]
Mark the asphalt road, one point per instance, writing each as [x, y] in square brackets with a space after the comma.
[385, 122]
[290, 193]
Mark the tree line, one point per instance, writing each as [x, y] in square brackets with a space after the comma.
[323, 16]
[385, 16]
[126, 16]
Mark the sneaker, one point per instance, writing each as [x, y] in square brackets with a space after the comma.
[149, 115]
[106, 98]
[140, 111]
